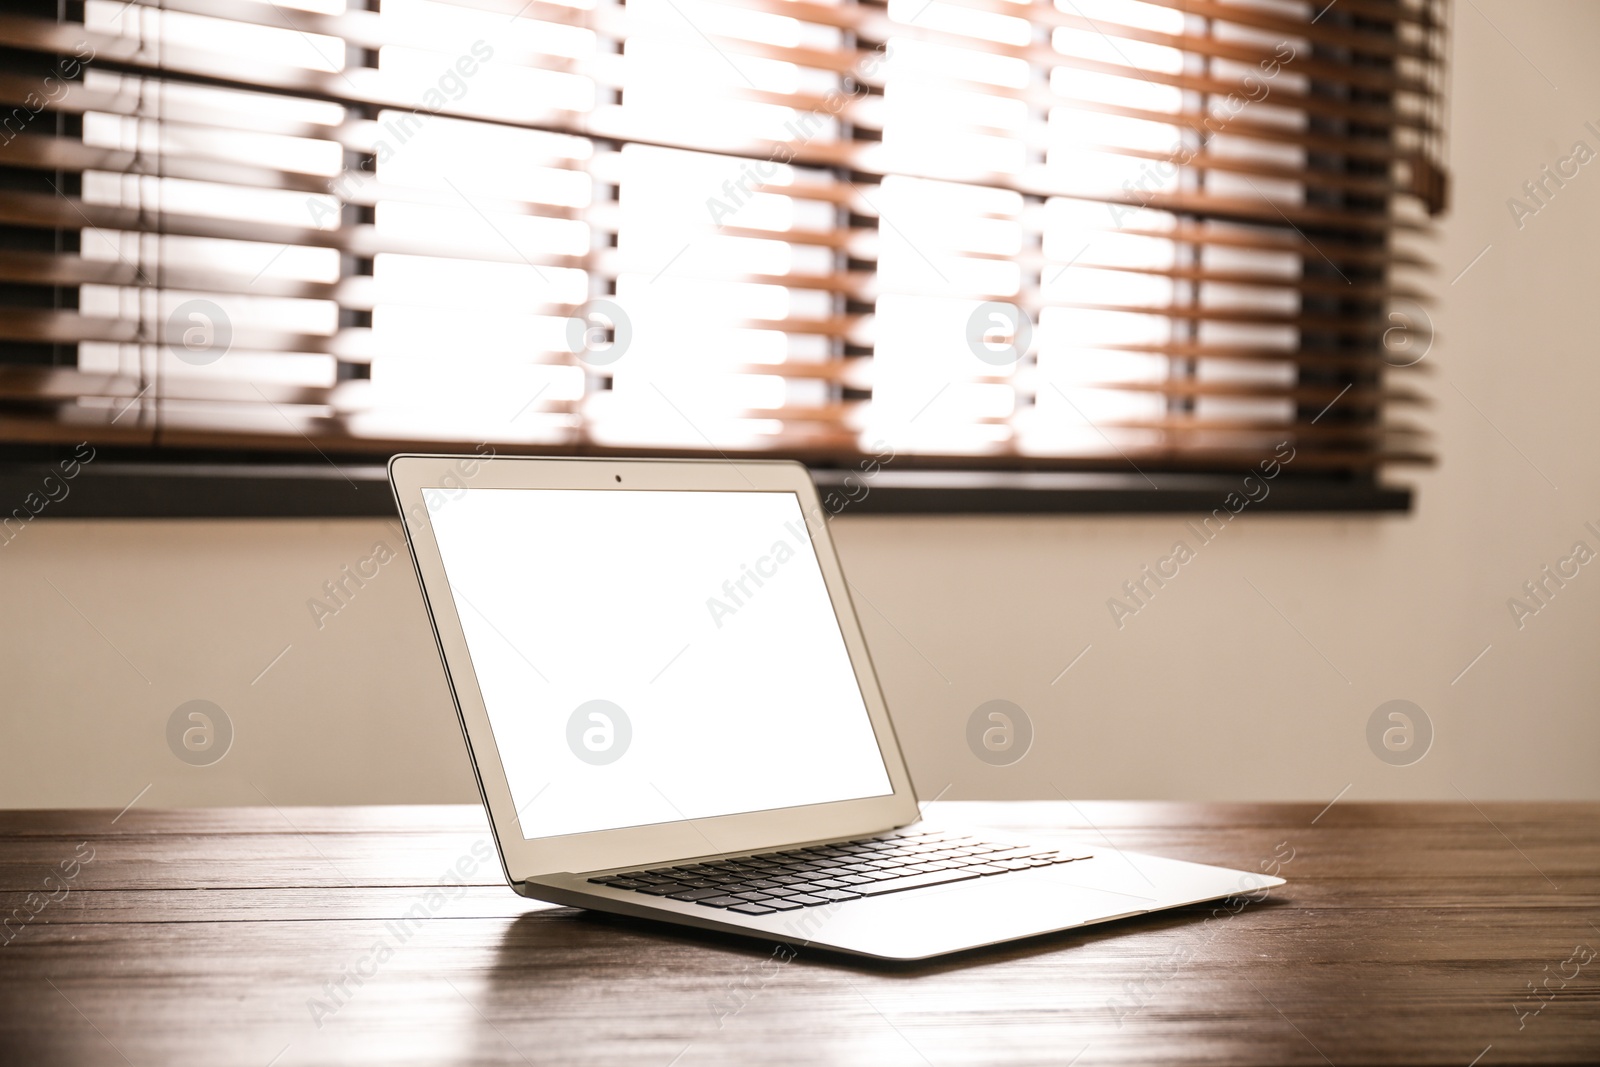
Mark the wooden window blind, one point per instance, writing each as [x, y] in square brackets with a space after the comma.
[1069, 234]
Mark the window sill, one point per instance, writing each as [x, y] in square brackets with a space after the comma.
[112, 490]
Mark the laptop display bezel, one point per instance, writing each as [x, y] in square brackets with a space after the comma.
[658, 843]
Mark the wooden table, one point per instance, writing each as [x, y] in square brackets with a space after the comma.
[1408, 933]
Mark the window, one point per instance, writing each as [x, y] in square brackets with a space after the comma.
[1160, 235]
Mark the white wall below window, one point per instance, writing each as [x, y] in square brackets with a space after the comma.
[1251, 675]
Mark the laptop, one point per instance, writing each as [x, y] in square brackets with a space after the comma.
[672, 714]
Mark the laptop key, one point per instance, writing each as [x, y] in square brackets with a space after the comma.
[748, 908]
[916, 881]
[665, 889]
[721, 902]
[698, 894]
[806, 899]
[780, 904]
[838, 894]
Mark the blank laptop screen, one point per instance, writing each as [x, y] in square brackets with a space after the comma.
[648, 657]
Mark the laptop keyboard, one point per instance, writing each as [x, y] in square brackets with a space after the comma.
[821, 874]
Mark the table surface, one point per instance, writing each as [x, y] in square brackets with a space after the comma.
[1408, 933]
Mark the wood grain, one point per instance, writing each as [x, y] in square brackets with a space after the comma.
[1407, 934]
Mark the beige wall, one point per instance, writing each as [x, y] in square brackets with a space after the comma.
[1209, 692]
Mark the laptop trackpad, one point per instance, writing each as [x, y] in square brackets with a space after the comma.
[984, 910]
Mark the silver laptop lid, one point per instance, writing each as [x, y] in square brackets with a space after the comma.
[651, 660]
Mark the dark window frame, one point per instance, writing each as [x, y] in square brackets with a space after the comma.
[119, 484]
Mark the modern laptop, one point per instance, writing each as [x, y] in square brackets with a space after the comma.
[672, 714]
